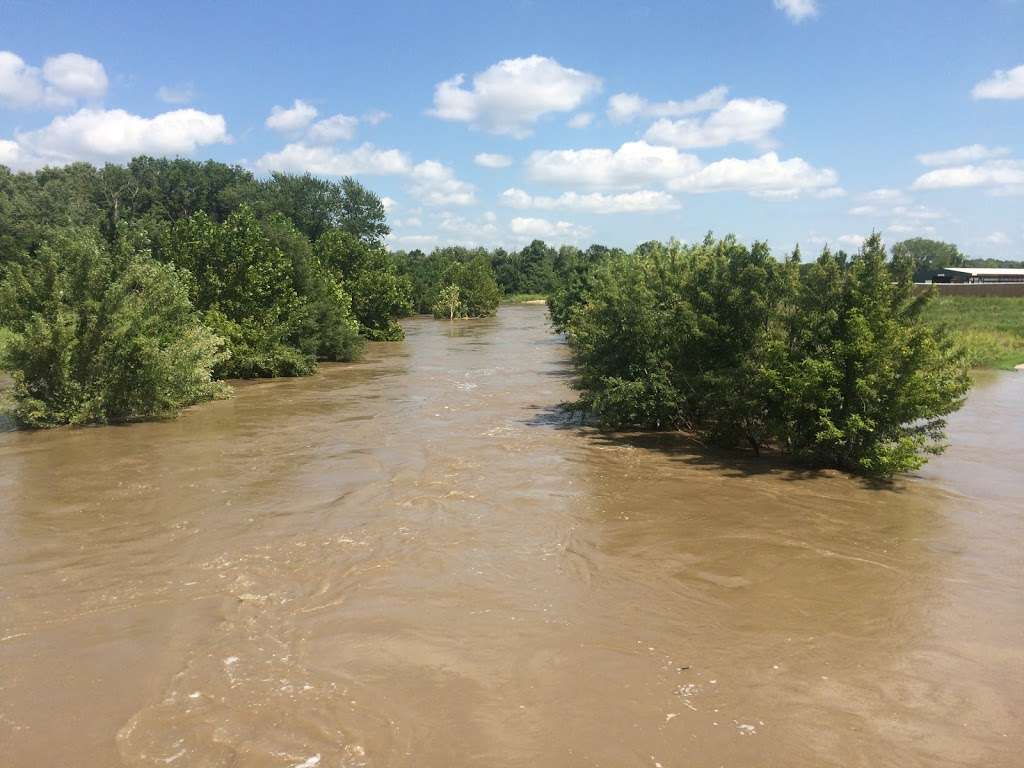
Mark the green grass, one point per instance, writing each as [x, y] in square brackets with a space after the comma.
[991, 329]
[519, 298]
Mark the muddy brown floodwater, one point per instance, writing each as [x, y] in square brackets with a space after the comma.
[415, 561]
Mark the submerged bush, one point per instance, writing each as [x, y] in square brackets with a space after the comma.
[830, 364]
[103, 335]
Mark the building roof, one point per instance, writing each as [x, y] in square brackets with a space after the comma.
[981, 271]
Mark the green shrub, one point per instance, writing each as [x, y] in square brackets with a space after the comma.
[103, 336]
[831, 364]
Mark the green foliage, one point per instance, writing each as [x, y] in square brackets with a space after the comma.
[832, 365]
[927, 256]
[102, 336]
[468, 269]
[379, 294]
[448, 305]
[243, 284]
[990, 330]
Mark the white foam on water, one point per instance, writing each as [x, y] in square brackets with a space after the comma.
[309, 762]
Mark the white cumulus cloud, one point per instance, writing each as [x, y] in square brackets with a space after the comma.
[765, 176]
[798, 10]
[291, 119]
[327, 161]
[968, 154]
[993, 173]
[492, 160]
[512, 95]
[633, 164]
[530, 228]
[332, 129]
[111, 135]
[740, 120]
[623, 107]
[1003, 84]
[436, 184]
[644, 200]
[59, 83]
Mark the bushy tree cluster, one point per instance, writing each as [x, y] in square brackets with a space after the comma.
[103, 334]
[432, 277]
[234, 277]
[829, 364]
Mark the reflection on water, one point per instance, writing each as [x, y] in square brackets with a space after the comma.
[414, 561]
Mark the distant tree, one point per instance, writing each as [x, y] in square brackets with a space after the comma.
[927, 256]
[448, 303]
[317, 206]
[102, 336]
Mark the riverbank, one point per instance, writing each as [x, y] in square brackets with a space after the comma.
[990, 329]
[525, 298]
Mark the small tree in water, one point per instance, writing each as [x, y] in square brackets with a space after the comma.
[448, 303]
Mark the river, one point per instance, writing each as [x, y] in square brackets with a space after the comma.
[415, 560]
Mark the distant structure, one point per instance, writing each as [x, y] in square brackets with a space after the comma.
[975, 275]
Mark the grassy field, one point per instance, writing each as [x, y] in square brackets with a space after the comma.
[520, 298]
[990, 329]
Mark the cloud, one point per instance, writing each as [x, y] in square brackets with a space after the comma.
[436, 184]
[631, 165]
[638, 163]
[852, 241]
[61, 81]
[740, 120]
[111, 135]
[332, 129]
[389, 203]
[176, 94]
[376, 117]
[885, 195]
[511, 96]
[994, 173]
[967, 154]
[490, 160]
[764, 176]
[529, 229]
[1003, 84]
[410, 242]
[798, 10]
[291, 119]
[581, 120]
[644, 200]
[998, 238]
[327, 161]
[623, 107]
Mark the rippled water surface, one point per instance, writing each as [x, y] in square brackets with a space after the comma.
[415, 561]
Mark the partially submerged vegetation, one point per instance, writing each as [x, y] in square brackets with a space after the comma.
[128, 292]
[829, 363]
[989, 329]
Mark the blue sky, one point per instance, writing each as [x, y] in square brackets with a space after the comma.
[491, 123]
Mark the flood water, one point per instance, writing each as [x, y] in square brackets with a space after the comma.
[416, 561]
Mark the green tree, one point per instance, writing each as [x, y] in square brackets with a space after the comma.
[102, 336]
[831, 365]
[243, 284]
[379, 294]
[448, 303]
[927, 256]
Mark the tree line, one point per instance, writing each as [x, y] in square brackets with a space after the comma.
[827, 362]
[133, 291]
